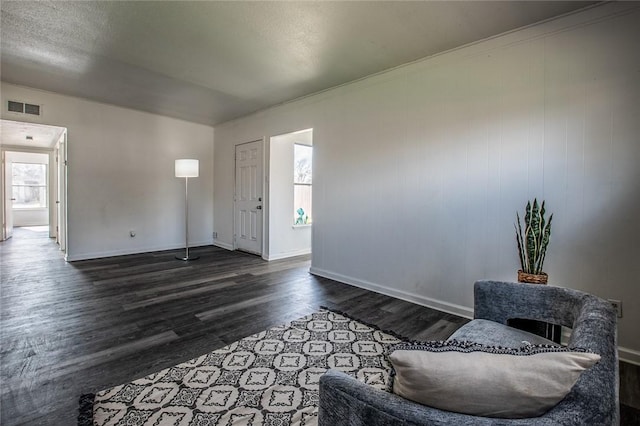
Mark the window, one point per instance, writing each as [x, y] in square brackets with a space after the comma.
[302, 161]
[29, 185]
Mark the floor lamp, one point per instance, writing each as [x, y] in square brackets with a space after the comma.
[186, 168]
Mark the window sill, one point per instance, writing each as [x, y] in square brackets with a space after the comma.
[308, 225]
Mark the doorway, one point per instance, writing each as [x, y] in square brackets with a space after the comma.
[33, 180]
[273, 211]
[290, 206]
[28, 187]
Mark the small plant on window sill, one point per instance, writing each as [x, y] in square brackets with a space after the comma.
[302, 219]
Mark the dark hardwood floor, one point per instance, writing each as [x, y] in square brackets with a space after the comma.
[74, 328]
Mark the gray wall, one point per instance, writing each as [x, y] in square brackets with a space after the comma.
[418, 172]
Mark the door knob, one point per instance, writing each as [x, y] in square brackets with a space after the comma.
[259, 208]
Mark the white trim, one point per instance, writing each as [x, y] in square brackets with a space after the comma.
[139, 250]
[30, 149]
[226, 246]
[287, 254]
[32, 209]
[629, 355]
[440, 305]
[306, 225]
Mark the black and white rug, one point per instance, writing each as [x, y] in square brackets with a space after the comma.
[270, 378]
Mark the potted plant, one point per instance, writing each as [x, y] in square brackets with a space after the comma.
[533, 242]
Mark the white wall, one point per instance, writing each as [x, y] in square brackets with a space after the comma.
[121, 176]
[31, 217]
[418, 172]
[285, 240]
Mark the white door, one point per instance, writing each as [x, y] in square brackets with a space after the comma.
[7, 192]
[248, 197]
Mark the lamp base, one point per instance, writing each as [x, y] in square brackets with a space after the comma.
[186, 259]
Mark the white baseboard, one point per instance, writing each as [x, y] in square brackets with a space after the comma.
[440, 305]
[628, 355]
[287, 254]
[224, 245]
[123, 252]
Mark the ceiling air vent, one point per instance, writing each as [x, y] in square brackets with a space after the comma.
[32, 109]
[16, 106]
[24, 108]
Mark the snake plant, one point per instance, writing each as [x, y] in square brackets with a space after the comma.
[533, 242]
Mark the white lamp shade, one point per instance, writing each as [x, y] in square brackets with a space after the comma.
[187, 168]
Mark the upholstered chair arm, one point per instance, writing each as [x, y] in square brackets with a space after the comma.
[500, 301]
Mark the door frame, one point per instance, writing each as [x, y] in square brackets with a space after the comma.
[54, 170]
[4, 235]
[60, 211]
[264, 196]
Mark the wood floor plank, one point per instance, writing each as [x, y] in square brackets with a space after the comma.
[182, 284]
[65, 366]
[128, 279]
[175, 296]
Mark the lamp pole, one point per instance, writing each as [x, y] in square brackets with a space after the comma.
[186, 168]
[186, 218]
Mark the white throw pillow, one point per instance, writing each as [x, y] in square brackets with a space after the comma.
[486, 381]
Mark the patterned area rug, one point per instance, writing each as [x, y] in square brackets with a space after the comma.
[270, 378]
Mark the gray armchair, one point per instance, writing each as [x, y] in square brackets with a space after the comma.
[592, 401]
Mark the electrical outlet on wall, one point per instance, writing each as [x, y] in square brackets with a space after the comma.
[617, 305]
[215, 235]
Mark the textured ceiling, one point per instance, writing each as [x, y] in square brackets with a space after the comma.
[210, 62]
